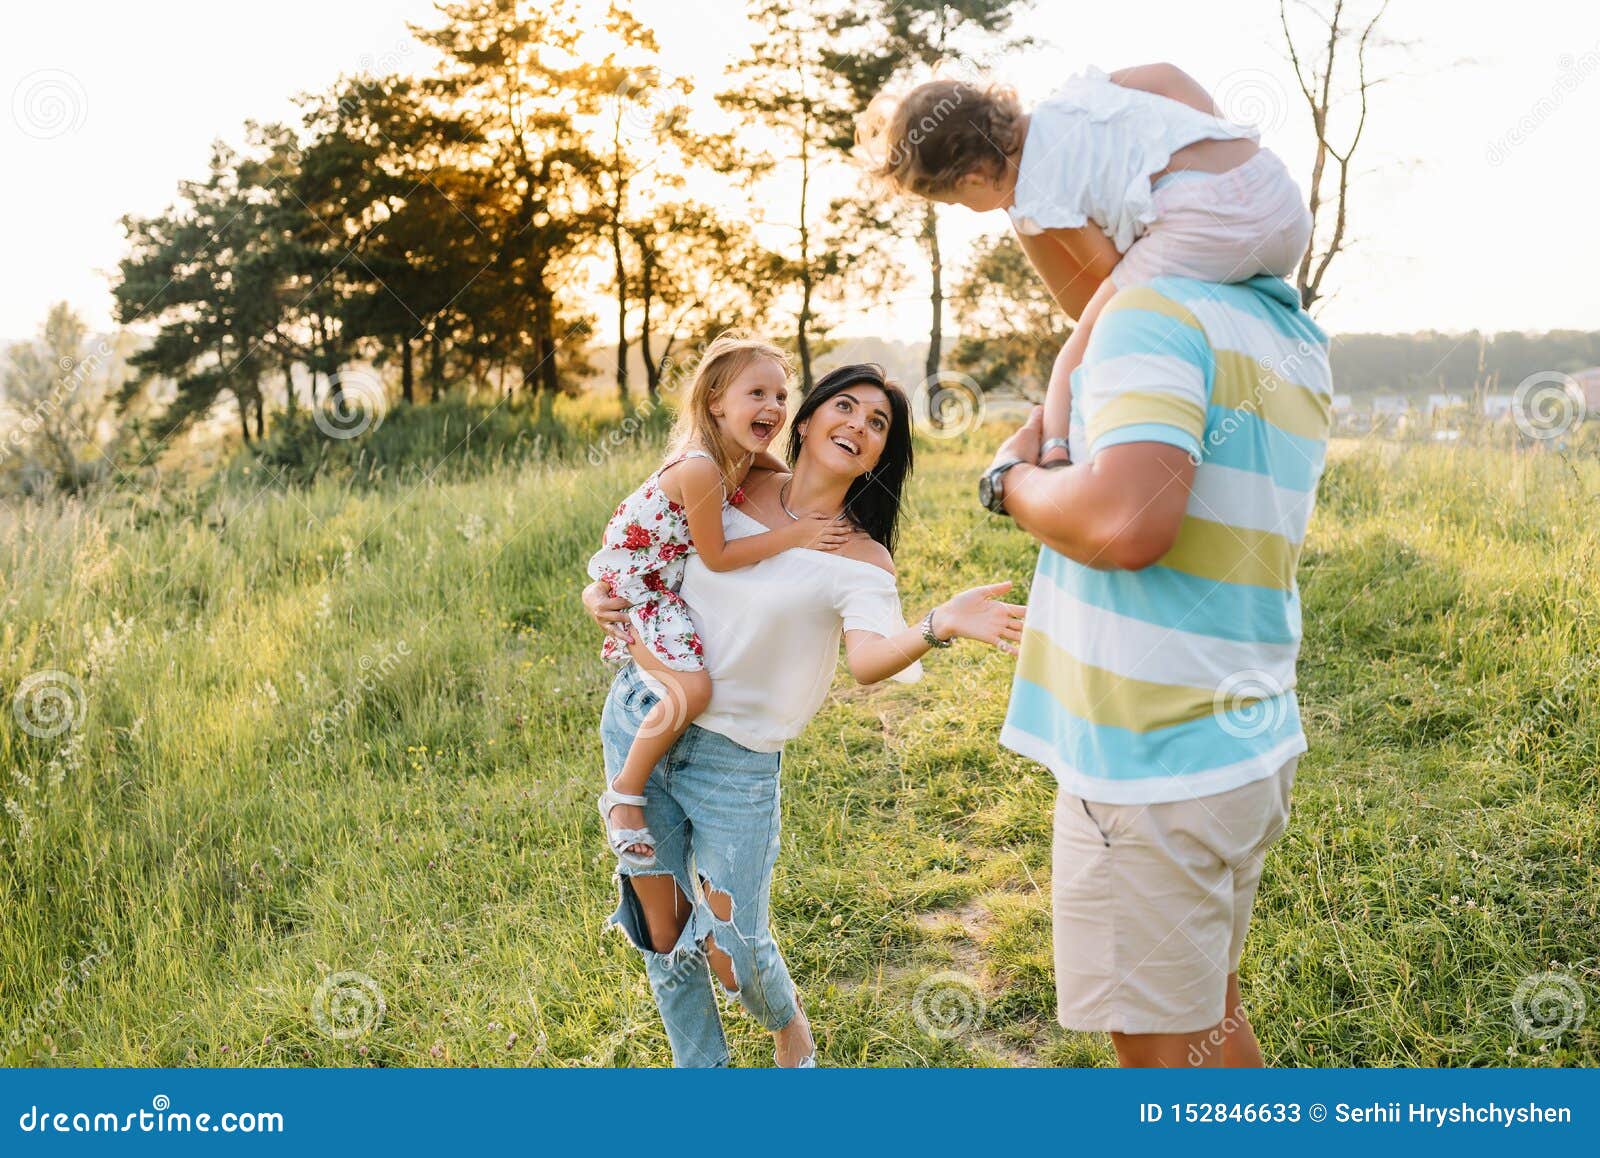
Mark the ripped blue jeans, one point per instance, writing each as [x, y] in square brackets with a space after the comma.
[713, 808]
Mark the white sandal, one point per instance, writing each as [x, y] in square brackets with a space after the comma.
[620, 839]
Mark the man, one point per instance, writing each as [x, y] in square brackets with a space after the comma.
[1156, 677]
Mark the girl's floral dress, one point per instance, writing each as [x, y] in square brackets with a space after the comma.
[642, 556]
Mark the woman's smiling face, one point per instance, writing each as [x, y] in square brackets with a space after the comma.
[849, 430]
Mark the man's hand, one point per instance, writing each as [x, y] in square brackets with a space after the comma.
[608, 610]
[1024, 444]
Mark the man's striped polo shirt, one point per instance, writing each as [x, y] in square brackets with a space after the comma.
[1177, 680]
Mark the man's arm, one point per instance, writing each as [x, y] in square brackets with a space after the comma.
[1123, 509]
[1145, 392]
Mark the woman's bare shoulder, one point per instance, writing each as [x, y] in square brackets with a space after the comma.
[864, 549]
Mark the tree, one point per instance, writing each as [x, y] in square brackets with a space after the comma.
[510, 73]
[59, 390]
[699, 273]
[385, 243]
[1322, 59]
[787, 86]
[642, 105]
[1011, 328]
[210, 273]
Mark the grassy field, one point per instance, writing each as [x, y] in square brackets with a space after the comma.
[326, 796]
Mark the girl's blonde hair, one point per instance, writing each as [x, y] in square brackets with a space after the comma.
[938, 132]
[728, 355]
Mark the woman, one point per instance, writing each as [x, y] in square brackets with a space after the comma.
[771, 636]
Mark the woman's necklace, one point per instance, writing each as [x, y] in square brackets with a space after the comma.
[783, 501]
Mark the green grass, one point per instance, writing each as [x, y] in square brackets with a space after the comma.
[353, 728]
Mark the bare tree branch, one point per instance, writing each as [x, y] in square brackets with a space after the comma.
[1316, 79]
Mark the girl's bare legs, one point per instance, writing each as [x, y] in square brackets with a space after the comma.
[687, 694]
[1058, 396]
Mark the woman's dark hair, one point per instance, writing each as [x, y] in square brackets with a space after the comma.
[873, 500]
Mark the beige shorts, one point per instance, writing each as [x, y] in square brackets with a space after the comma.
[1151, 903]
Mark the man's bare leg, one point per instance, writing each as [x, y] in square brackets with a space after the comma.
[1231, 1042]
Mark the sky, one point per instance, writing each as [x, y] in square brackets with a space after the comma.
[1474, 190]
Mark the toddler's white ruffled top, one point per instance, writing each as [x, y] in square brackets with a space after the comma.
[1091, 149]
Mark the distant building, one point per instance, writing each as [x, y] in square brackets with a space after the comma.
[1343, 403]
[1496, 405]
[1389, 406]
[1442, 402]
[1589, 382]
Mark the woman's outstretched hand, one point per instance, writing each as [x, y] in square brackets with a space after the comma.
[608, 610]
[978, 614]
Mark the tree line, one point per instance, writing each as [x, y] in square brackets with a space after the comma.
[1011, 332]
[466, 225]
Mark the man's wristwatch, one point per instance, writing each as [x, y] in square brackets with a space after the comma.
[991, 488]
[928, 636]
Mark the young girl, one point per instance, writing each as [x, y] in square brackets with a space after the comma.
[734, 407]
[1111, 182]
